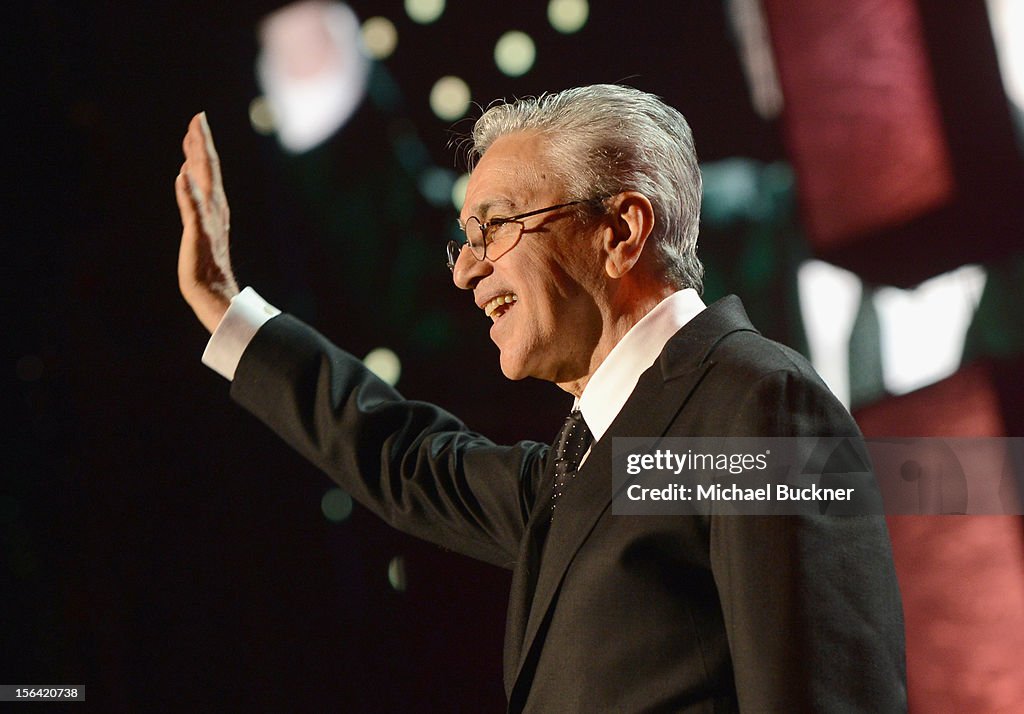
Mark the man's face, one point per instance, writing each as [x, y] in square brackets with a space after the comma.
[550, 284]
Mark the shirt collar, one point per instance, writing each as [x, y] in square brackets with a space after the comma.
[614, 380]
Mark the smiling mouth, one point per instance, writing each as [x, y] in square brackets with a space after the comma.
[499, 306]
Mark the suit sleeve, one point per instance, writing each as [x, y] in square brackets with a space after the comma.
[413, 464]
[811, 605]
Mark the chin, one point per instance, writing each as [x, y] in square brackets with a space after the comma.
[512, 370]
[516, 365]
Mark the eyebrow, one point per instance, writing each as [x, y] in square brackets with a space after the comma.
[486, 207]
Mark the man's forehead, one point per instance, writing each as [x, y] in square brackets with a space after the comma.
[507, 176]
[504, 200]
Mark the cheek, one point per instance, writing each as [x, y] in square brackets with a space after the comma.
[552, 282]
[550, 300]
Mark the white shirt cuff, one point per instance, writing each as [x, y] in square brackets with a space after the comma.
[245, 316]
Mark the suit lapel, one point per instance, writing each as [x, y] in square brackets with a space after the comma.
[661, 393]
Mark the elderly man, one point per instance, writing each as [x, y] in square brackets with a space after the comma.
[580, 226]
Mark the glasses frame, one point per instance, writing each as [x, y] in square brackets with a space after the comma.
[454, 248]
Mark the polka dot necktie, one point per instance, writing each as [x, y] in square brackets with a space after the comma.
[571, 444]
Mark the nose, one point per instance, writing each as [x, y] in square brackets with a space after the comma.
[469, 271]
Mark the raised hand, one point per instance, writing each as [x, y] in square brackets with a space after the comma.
[204, 260]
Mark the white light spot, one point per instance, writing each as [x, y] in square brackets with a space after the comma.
[568, 16]
[379, 37]
[449, 98]
[923, 330]
[385, 364]
[424, 11]
[261, 116]
[751, 31]
[829, 299]
[336, 505]
[312, 70]
[396, 574]
[459, 191]
[515, 53]
[1007, 18]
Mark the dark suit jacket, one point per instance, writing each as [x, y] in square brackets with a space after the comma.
[621, 613]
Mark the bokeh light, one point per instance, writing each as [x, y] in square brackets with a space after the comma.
[568, 16]
[396, 574]
[424, 11]
[379, 37]
[515, 53]
[449, 98]
[435, 185]
[385, 364]
[261, 116]
[459, 191]
[336, 505]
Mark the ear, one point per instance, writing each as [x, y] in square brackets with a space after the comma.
[632, 220]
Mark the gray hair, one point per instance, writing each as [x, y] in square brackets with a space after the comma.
[605, 139]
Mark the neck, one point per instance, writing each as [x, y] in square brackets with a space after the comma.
[616, 325]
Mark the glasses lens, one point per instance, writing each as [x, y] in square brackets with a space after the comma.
[475, 237]
[503, 237]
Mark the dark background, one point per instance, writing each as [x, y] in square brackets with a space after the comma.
[162, 547]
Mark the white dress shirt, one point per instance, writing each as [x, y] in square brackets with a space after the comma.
[614, 380]
[245, 316]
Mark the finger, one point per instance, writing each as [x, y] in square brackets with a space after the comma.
[211, 217]
[186, 205]
[188, 250]
[188, 142]
[197, 158]
[199, 203]
[211, 153]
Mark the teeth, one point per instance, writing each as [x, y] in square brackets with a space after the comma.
[492, 307]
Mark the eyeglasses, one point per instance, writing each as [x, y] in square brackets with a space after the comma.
[498, 235]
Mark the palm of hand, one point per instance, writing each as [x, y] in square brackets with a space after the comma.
[204, 261]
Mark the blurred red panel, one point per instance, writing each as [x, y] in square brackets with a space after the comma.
[965, 404]
[861, 120]
[962, 577]
[962, 581]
